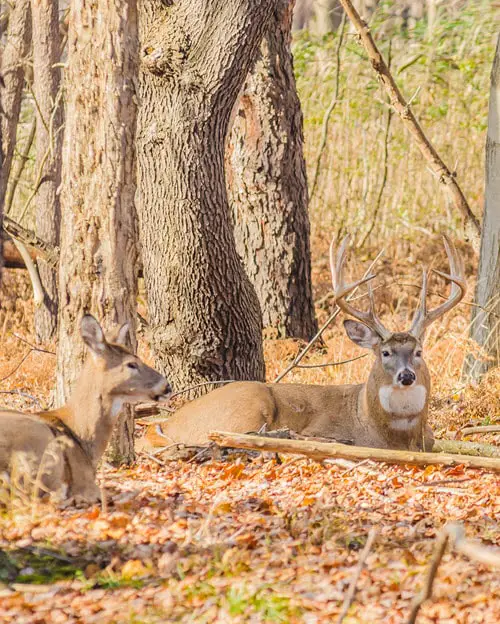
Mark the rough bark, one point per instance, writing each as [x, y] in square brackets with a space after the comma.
[98, 256]
[267, 185]
[485, 327]
[13, 59]
[46, 85]
[204, 313]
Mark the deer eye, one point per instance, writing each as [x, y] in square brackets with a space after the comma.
[418, 353]
[386, 353]
[132, 365]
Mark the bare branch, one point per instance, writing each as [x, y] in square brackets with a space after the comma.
[351, 592]
[445, 176]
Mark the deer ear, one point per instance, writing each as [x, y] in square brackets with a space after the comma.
[361, 334]
[122, 335]
[92, 334]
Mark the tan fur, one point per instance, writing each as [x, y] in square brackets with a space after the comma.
[68, 442]
[350, 413]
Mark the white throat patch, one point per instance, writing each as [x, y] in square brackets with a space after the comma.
[402, 402]
[116, 407]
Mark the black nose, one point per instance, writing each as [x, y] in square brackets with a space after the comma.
[406, 377]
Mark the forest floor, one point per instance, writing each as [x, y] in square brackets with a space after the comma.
[252, 538]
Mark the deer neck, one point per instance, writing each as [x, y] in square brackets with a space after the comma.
[91, 412]
[397, 413]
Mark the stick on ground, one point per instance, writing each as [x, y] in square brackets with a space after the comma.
[325, 450]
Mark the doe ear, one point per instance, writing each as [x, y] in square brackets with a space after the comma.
[92, 334]
[361, 334]
[122, 335]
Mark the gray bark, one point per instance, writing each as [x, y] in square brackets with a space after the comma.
[485, 328]
[98, 257]
[46, 85]
[204, 314]
[267, 185]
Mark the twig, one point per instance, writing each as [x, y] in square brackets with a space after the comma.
[36, 283]
[24, 395]
[33, 347]
[20, 168]
[455, 535]
[445, 176]
[320, 331]
[358, 357]
[18, 366]
[349, 597]
[426, 591]
[329, 110]
[326, 450]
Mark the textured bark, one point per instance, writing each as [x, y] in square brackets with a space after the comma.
[485, 327]
[98, 257]
[204, 313]
[267, 185]
[13, 59]
[46, 84]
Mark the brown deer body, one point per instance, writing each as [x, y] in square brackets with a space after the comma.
[63, 446]
[388, 411]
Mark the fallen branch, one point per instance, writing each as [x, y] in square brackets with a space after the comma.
[466, 448]
[402, 107]
[45, 250]
[326, 450]
[480, 429]
[351, 592]
[453, 534]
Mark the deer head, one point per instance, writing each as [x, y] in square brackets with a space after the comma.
[399, 354]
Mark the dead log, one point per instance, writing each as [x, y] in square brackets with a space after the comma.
[329, 450]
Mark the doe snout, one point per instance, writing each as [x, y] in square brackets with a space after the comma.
[406, 377]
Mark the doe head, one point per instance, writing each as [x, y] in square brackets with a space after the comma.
[124, 375]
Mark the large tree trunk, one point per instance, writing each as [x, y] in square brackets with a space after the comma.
[485, 328]
[204, 313]
[98, 259]
[12, 74]
[46, 85]
[267, 185]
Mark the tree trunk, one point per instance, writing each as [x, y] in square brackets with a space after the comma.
[98, 258]
[267, 185]
[12, 73]
[46, 85]
[204, 313]
[485, 327]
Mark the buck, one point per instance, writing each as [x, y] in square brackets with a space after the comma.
[63, 446]
[388, 411]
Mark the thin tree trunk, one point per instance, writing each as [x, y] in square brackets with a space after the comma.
[485, 327]
[204, 313]
[98, 257]
[46, 88]
[12, 72]
[267, 185]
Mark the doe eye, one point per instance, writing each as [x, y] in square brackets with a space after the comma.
[132, 365]
[418, 353]
[386, 353]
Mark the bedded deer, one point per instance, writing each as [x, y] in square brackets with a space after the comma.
[388, 411]
[63, 446]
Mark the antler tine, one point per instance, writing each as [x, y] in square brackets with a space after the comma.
[341, 290]
[424, 318]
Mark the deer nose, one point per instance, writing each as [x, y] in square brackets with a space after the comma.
[163, 392]
[406, 377]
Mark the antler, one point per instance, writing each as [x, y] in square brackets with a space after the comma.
[341, 290]
[424, 318]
